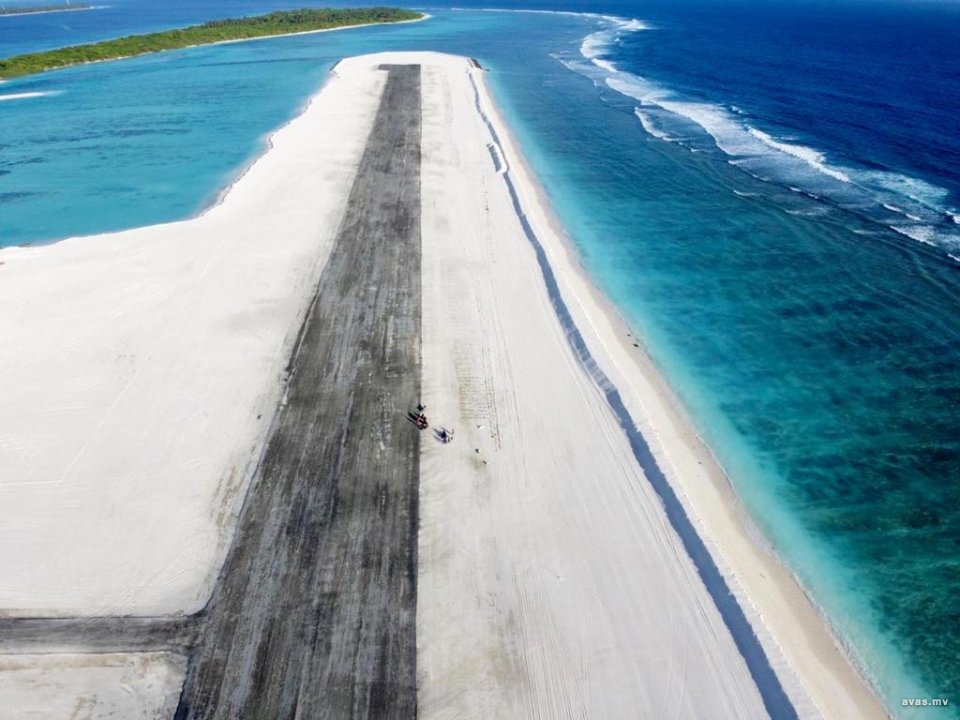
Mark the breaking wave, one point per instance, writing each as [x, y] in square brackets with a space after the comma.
[597, 44]
[25, 95]
[912, 207]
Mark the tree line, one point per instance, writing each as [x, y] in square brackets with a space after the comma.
[275, 23]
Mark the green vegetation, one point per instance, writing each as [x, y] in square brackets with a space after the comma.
[276, 23]
[30, 9]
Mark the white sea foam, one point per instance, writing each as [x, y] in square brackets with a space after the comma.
[727, 132]
[920, 233]
[651, 128]
[941, 236]
[731, 134]
[605, 65]
[595, 45]
[810, 156]
[917, 200]
[24, 95]
[761, 153]
[636, 87]
[810, 212]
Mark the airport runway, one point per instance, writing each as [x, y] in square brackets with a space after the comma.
[315, 610]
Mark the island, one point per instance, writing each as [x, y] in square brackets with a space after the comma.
[287, 22]
[37, 9]
[223, 498]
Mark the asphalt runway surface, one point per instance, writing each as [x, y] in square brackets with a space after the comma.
[314, 615]
[97, 634]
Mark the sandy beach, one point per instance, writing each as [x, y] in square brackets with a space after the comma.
[575, 551]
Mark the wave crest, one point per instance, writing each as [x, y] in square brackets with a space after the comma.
[597, 44]
[910, 206]
[25, 95]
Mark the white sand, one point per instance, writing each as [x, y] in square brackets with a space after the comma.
[551, 583]
[142, 686]
[139, 372]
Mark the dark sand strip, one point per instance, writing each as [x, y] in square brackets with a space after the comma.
[315, 612]
[97, 634]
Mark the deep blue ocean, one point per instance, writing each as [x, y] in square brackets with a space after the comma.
[768, 191]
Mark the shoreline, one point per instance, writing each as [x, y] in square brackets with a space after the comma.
[265, 141]
[266, 144]
[795, 625]
[424, 16]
